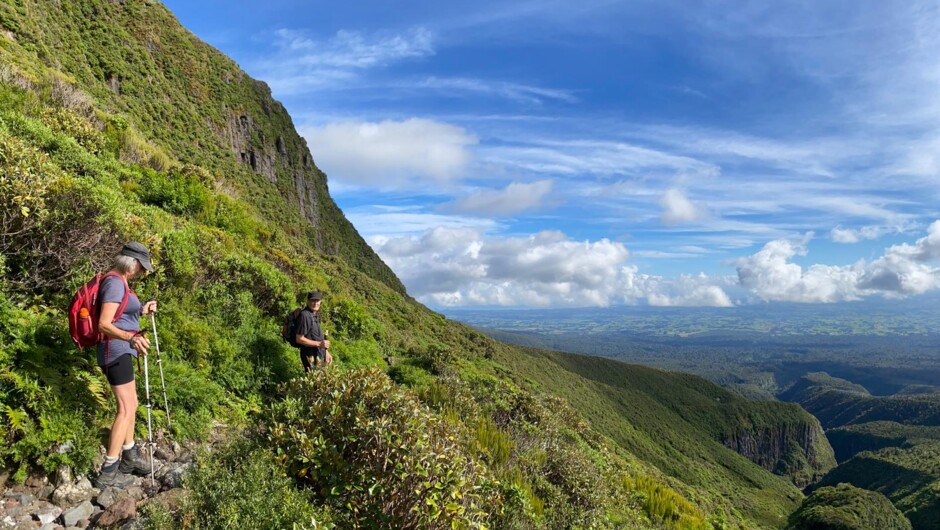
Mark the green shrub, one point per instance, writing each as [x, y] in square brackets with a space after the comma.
[350, 320]
[664, 505]
[362, 443]
[66, 122]
[240, 486]
[48, 394]
[180, 190]
[26, 175]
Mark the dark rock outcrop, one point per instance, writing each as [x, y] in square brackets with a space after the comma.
[800, 452]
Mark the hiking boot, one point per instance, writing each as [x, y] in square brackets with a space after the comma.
[132, 462]
[111, 476]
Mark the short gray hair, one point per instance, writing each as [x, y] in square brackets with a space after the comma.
[125, 264]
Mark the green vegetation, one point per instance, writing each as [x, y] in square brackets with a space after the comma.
[837, 402]
[850, 440]
[909, 477]
[887, 444]
[362, 443]
[262, 497]
[845, 507]
[681, 423]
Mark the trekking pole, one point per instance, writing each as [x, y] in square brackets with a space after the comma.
[156, 343]
[149, 426]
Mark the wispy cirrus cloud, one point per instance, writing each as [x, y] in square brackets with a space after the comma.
[300, 62]
[509, 90]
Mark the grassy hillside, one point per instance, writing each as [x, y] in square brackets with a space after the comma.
[117, 124]
[682, 424]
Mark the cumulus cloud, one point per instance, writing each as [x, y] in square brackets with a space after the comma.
[903, 270]
[678, 209]
[462, 266]
[697, 290]
[391, 154]
[514, 198]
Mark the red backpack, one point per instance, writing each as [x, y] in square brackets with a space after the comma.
[83, 312]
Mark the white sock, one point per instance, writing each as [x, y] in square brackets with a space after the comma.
[125, 447]
[108, 460]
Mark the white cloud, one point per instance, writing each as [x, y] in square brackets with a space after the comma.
[514, 91]
[461, 266]
[302, 63]
[390, 154]
[514, 198]
[379, 223]
[677, 208]
[698, 290]
[593, 157]
[351, 49]
[903, 270]
[852, 235]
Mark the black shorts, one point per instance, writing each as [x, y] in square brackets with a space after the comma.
[121, 371]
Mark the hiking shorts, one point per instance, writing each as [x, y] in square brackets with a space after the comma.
[121, 371]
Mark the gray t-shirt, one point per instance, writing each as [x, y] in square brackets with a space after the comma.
[110, 350]
[308, 325]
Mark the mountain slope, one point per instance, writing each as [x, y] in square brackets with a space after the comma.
[192, 102]
[685, 425]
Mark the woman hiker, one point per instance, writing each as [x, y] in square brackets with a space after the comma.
[123, 341]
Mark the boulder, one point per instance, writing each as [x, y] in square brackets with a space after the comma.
[174, 477]
[119, 513]
[45, 512]
[110, 496]
[45, 492]
[70, 494]
[23, 498]
[72, 516]
[25, 524]
[63, 475]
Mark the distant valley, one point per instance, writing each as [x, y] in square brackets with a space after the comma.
[869, 372]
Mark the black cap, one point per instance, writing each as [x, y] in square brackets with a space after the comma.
[138, 252]
[314, 295]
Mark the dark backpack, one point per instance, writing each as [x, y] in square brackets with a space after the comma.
[84, 310]
[289, 327]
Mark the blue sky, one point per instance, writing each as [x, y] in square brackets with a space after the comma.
[595, 153]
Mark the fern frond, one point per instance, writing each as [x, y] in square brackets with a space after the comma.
[18, 419]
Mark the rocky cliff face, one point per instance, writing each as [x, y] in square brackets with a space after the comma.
[800, 452]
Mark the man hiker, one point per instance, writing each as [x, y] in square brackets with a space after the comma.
[314, 348]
